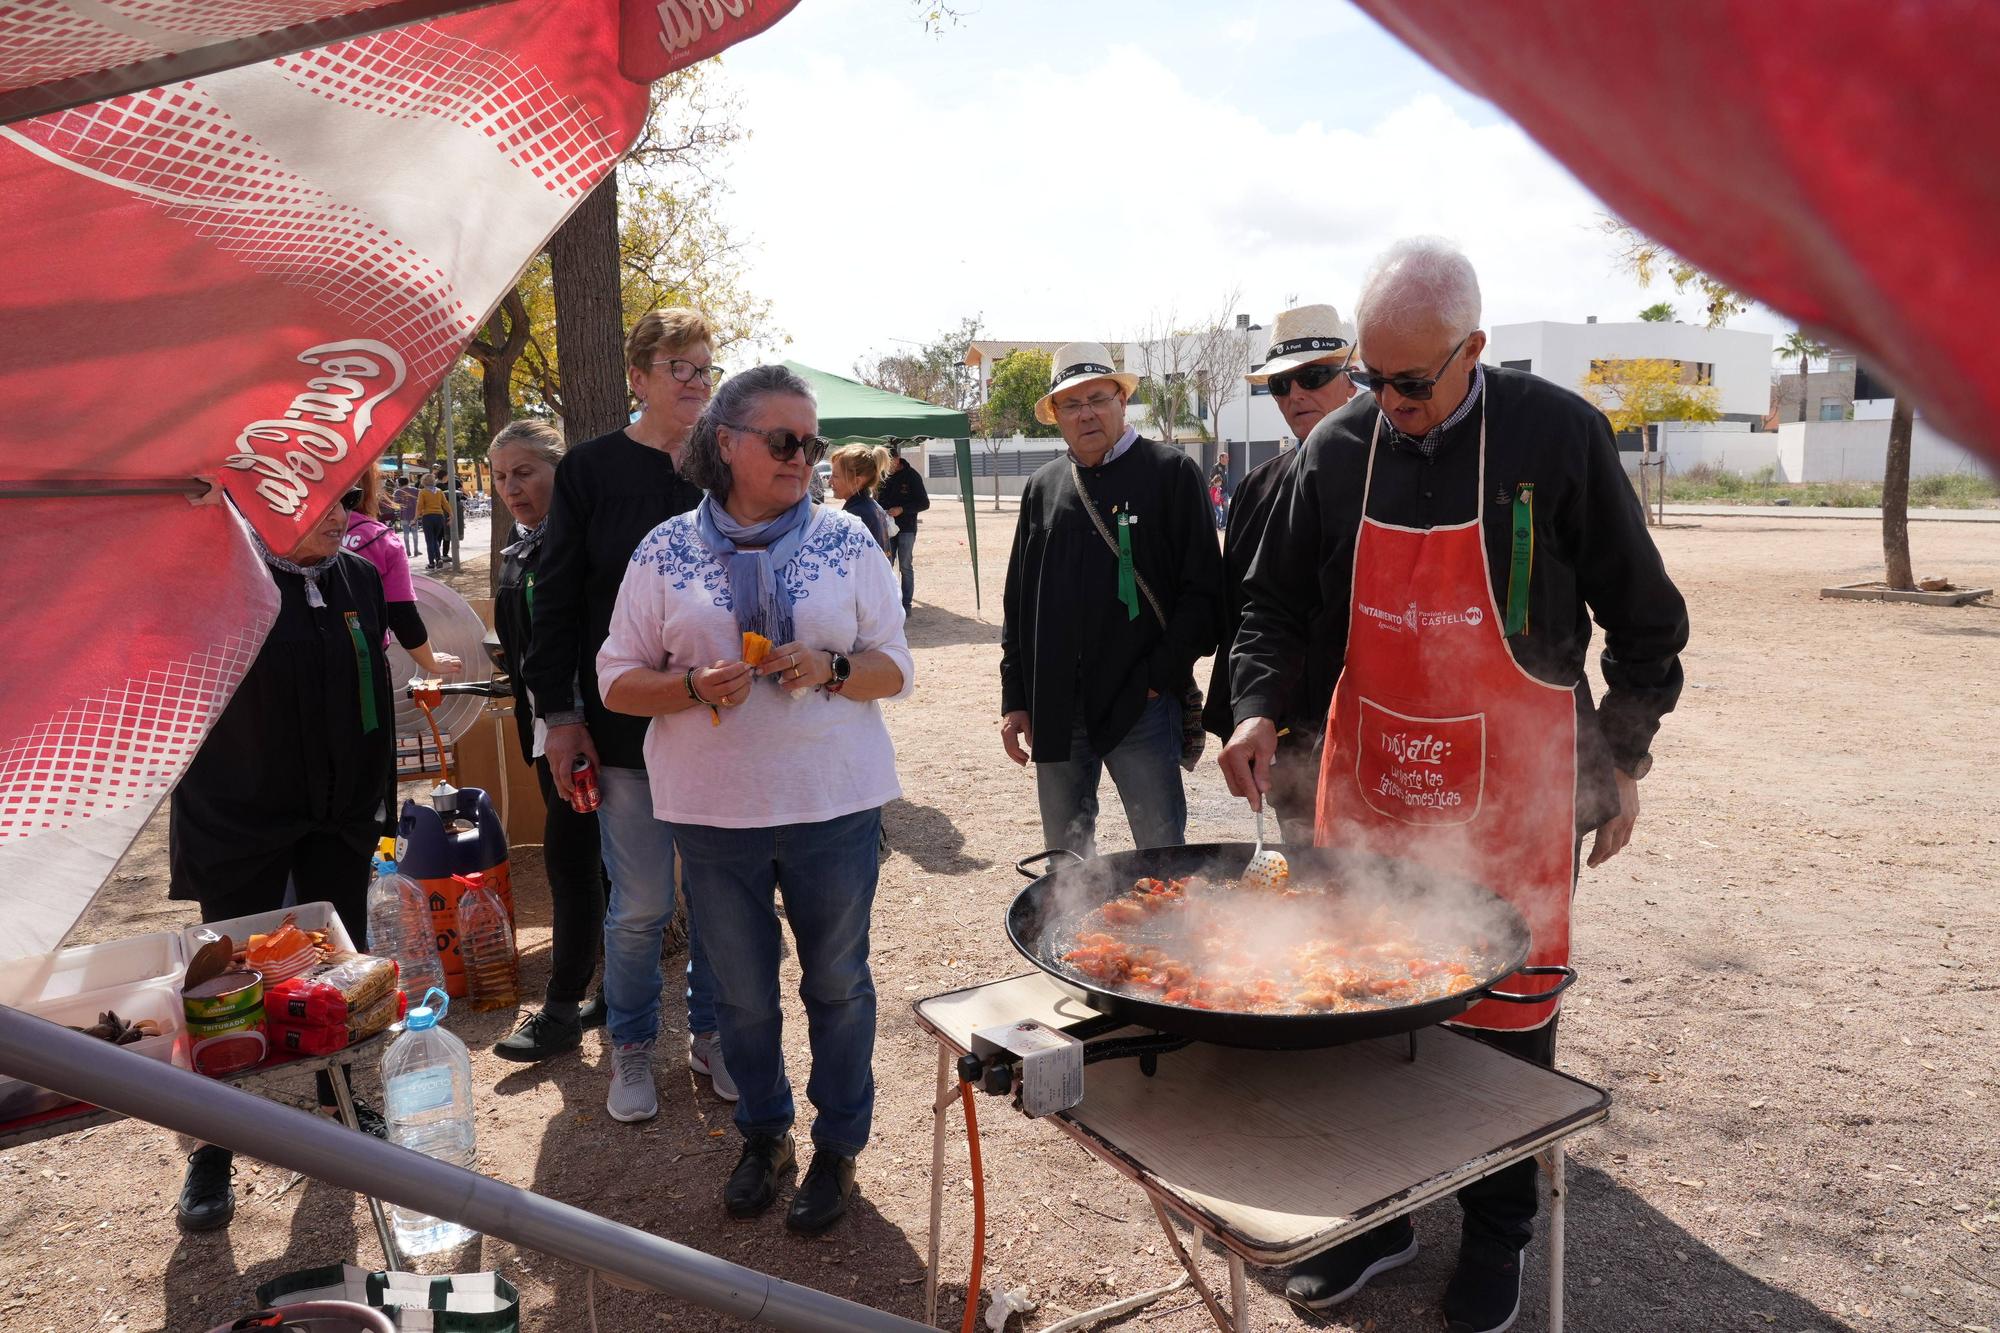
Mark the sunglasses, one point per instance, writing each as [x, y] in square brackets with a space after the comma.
[687, 371]
[1416, 388]
[784, 444]
[1315, 376]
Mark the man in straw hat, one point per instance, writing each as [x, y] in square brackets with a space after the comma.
[1113, 588]
[1304, 368]
[1444, 550]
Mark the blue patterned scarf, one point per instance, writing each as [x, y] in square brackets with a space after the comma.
[763, 606]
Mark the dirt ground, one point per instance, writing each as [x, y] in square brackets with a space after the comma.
[1789, 987]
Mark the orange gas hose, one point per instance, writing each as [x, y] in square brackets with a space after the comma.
[444, 768]
[978, 1210]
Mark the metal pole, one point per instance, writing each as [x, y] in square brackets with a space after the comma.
[74, 1065]
[451, 472]
[939, 1106]
[1558, 1206]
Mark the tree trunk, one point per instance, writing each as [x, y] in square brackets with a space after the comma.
[1645, 499]
[505, 334]
[1896, 501]
[590, 317]
[1802, 388]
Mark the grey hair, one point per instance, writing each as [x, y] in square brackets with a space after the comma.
[1420, 282]
[540, 438]
[735, 399]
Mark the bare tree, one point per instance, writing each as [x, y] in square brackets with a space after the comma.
[1220, 359]
[1162, 357]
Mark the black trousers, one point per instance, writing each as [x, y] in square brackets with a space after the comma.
[574, 860]
[436, 533]
[1500, 1209]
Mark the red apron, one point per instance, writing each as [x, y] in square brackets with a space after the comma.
[1440, 749]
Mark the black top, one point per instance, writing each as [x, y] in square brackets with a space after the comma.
[1069, 652]
[515, 599]
[904, 488]
[289, 756]
[609, 493]
[1249, 512]
[1592, 555]
[872, 517]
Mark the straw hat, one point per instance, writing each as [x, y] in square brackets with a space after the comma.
[1302, 336]
[1080, 363]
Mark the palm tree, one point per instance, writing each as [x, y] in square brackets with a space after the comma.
[1660, 312]
[1800, 346]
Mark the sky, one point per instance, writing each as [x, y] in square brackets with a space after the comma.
[1095, 169]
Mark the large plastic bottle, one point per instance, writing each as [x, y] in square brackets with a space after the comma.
[399, 926]
[427, 1091]
[486, 942]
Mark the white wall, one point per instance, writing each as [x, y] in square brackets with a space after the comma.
[1563, 353]
[1857, 450]
[1729, 446]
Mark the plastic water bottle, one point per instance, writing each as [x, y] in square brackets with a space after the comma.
[486, 943]
[427, 1089]
[399, 926]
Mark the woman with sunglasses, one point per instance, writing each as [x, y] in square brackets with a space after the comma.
[609, 493]
[772, 776]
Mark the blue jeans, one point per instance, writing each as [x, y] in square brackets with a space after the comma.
[639, 856]
[826, 873]
[1146, 766]
[906, 557]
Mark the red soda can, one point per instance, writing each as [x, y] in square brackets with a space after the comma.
[584, 796]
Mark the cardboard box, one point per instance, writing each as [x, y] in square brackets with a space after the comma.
[489, 757]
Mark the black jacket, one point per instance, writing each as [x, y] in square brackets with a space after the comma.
[1249, 513]
[514, 601]
[1070, 654]
[1592, 555]
[904, 488]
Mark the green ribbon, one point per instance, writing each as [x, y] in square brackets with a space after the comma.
[364, 667]
[528, 594]
[1524, 559]
[1128, 585]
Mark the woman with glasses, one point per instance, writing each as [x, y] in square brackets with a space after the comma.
[609, 493]
[771, 774]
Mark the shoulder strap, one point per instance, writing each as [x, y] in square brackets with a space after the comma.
[1076, 475]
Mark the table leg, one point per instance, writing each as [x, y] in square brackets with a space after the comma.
[343, 1099]
[1239, 1296]
[1558, 1202]
[939, 1105]
[1222, 1321]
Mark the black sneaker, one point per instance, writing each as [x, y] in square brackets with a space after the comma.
[1325, 1280]
[1484, 1294]
[823, 1194]
[207, 1199]
[592, 1013]
[539, 1037]
[753, 1185]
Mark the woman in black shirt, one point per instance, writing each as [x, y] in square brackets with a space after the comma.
[857, 470]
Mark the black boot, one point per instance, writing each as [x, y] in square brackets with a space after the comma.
[592, 1014]
[753, 1185]
[207, 1199]
[823, 1194]
[539, 1037]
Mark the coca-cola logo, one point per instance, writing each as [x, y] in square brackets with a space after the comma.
[685, 22]
[323, 425]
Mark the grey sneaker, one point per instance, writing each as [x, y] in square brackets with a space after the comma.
[633, 1096]
[705, 1057]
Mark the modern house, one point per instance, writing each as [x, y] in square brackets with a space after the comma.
[1736, 362]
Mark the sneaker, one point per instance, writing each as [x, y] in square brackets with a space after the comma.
[1484, 1294]
[705, 1057]
[207, 1199]
[366, 1118]
[539, 1037]
[632, 1096]
[1325, 1280]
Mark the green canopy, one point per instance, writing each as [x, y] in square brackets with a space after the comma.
[851, 412]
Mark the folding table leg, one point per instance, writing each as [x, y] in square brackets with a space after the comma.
[1186, 1258]
[1239, 1302]
[1558, 1200]
[939, 1105]
[343, 1100]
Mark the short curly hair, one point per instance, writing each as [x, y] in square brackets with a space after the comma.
[671, 330]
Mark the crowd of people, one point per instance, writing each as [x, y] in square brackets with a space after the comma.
[681, 617]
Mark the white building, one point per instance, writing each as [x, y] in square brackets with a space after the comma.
[1736, 361]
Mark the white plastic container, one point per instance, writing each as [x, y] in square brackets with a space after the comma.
[155, 960]
[307, 916]
[163, 1006]
[427, 1101]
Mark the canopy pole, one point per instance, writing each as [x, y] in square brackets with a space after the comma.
[194, 488]
[90, 1070]
[456, 515]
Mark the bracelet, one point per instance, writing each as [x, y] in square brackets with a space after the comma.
[694, 694]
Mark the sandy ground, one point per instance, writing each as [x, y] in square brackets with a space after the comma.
[1789, 988]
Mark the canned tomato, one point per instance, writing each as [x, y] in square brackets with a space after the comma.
[584, 795]
[224, 996]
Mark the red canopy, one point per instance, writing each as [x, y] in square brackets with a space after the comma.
[1838, 161]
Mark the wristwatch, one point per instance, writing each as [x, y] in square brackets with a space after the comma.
[842, 669]
[1640, 767]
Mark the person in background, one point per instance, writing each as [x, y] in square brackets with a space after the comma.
[1304, 368]
[524, 456]
[432, 513]
[1101, 632]
[856, 470]
[406, 514]
[1218, 488]
[371, 539]
[609, 493]
[902, 498]
[295, 783]
[772, 777]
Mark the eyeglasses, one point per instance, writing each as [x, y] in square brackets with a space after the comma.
[784, 444]
[1095, 405]
[687, 371]
[1316, 376]
[1416, 388]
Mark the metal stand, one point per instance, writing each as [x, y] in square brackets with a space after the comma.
[938, 1107]
[1558, 1201]
[343, 1100]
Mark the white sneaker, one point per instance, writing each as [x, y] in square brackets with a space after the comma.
[705, 1057]
[632, 1096]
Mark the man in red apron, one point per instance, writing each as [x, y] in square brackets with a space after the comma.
[1445, 548]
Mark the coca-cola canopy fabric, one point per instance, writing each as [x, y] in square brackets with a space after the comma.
[1839, 161]
[251, 278]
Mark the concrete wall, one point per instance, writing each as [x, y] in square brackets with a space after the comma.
[1563, 353]
[1856, 451]
[1729, 446]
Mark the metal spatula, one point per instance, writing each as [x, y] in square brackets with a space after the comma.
[1267, 870]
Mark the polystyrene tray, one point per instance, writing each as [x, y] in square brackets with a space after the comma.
[160, 1003]
[307, 916]
[154, 959]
